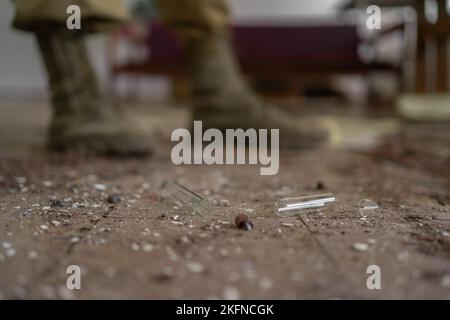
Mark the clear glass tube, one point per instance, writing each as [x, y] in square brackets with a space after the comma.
[292, 206]
[182, 195]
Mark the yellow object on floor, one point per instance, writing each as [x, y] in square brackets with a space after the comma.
[432, 107]
[359, 134]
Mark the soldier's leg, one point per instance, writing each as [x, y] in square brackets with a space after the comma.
[83, 118]
[96, 14]
[221, 97]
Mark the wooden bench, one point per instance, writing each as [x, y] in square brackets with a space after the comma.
[288, 51]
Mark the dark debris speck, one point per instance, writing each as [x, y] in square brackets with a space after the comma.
[57, 203]
[114, 199]
[243, 222]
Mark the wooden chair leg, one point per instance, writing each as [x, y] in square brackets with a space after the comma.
[421, 86]
[442, 64]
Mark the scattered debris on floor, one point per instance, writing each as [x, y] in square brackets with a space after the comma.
[152, 245]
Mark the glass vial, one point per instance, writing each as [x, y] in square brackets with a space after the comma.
[292, 206]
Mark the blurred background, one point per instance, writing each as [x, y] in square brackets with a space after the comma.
[289, 49]
[310, 55]
[22, 74]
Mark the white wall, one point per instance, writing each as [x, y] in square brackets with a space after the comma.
[20, 67]
[283, 8]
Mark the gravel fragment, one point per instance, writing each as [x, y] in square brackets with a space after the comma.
[6, 245]
[147, 247]
[47, 184]
[57, 203]
[360, 246]
[99, 187]
[231, 293]
[165, 274]
[10, 252]
[195, 267]
[114, 199]
[75, 239]
[265, 283]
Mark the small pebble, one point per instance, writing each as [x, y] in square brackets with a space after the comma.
[6, 245]
[114, 199]
[56, 223]
[75, 239]
[20, 180]
[57, 203]
[195, 267]
[224, 252]
[99, 187]
[265, 283]
[360, 246]
[165, 274]
[147, 247]
[47, 184]
[10, 252]
[44, 227]
[231, 293]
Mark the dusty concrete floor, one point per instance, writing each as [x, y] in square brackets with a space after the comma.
[145, 247]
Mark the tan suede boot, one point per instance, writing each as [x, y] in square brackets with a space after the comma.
[222, 99]
[83, 118]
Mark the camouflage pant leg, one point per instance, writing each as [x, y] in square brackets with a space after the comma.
[30, 14]
[191, 19]
[195, 19]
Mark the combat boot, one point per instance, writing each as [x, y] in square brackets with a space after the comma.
[222, 99]
[83, 118]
